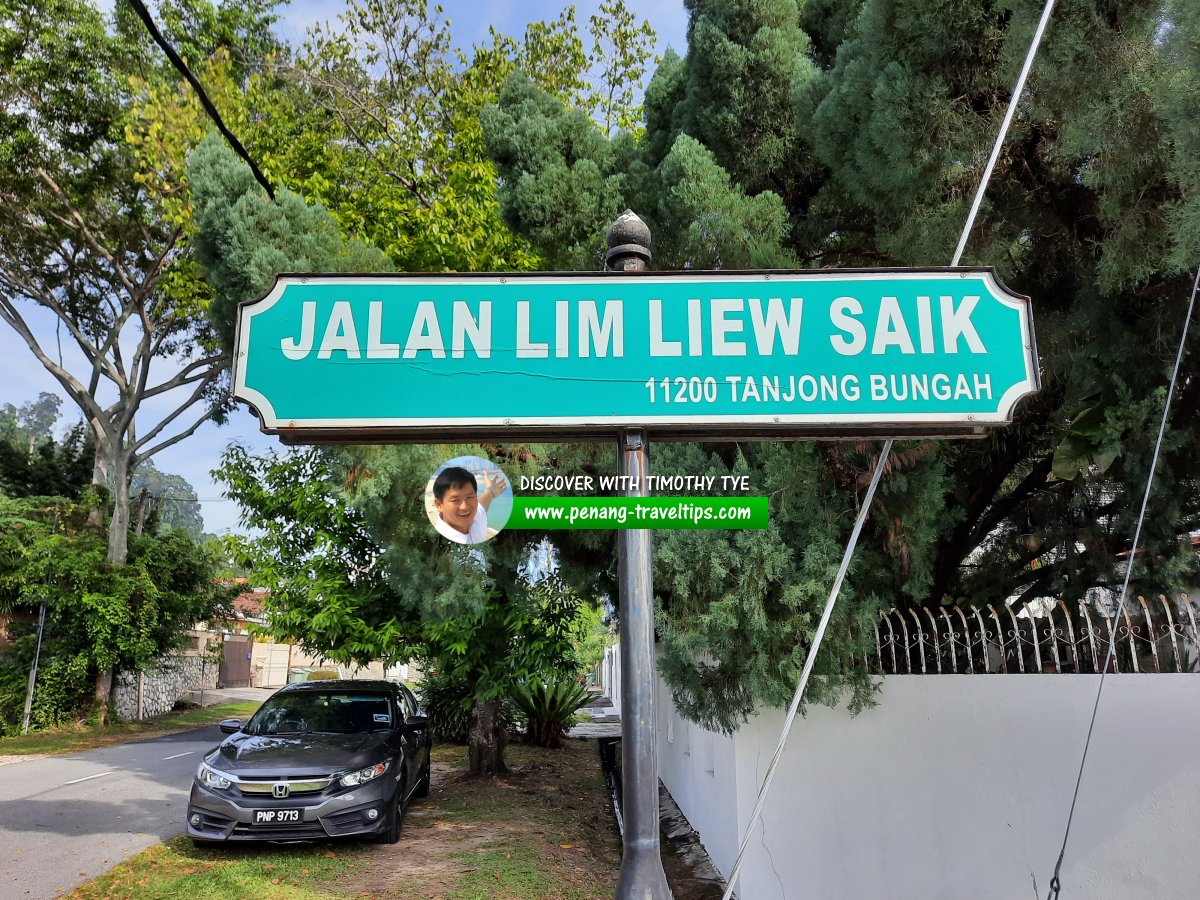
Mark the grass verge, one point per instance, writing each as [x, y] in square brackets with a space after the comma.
[543, 832]
[175, 869]
[87, 737]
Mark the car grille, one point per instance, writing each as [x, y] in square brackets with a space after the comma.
[296, 788]
[301, 832]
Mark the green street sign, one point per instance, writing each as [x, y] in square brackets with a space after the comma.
[894, 352]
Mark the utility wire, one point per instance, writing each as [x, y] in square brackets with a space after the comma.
[808, 664]
[1008, 117]
[790, 718]
[1055, 884]
[181, 67]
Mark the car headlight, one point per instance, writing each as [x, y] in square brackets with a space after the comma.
[211, 778]
[362, 776]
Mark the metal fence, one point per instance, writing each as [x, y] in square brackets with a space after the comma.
[1158, 635]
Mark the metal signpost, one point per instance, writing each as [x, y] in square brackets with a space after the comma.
[633, 354]
[642, 876]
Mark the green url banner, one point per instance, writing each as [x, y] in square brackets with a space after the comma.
[677, 513]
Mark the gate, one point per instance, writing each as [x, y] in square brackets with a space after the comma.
[235, 664]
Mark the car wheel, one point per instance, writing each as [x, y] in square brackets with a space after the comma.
[391, 831]
[423, 785]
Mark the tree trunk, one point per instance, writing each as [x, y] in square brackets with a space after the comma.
[485, 739]
[99, 472]
[118, 526]
[114, 465]
[104, 680]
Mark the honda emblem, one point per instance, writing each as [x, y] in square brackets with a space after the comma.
[280, 790]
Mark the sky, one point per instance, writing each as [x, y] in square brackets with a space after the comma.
[22, 377]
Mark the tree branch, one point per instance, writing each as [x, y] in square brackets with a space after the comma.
[196, 394]
[20, 285]
[77, 220]
[185, 376]
[145, 455]
[74, 388]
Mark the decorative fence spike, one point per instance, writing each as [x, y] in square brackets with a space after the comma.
[1045, 636]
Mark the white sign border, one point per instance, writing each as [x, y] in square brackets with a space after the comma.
[724, 425]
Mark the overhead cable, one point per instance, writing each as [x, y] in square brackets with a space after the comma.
[1055, 883]
[182, 68]
[879, 467]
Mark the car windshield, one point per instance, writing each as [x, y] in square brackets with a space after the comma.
[308, 712]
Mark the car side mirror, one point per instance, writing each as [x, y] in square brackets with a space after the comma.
[231, 726]
[416, 721]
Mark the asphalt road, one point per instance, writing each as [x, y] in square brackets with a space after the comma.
[66, 819]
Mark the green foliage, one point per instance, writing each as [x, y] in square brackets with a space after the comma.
[199, 30]
[622, 48]
[563, 183]
[851, 134]
[171, 499]
[98, 615]
[448, 700]
[549, 709]
[30, 467]
[64, 685]
[706, 221]
[327, 590]
[243, 239]
[594, 638]
[745, 58]
[378, 119]
[556, 170]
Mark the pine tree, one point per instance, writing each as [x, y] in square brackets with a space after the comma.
[891, 108]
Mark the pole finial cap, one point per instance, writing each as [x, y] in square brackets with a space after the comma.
[628, 236]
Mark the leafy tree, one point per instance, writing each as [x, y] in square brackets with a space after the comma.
[563, 183]
[857, 143]
[99, 616]
[32, 463]
[357, 574]
[38, 417]
[744, 59]
[94, 236]
[381, 125]
[172, 501]
[51, 469]
[1083, 215]
[622, 47]
[381, 122]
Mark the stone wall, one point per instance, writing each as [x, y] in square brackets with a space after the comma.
[162, 685]
[196, 675]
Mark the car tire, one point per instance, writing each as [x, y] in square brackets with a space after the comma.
[423, 785]
[391, 831]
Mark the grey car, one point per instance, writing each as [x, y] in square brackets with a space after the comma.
[317, 760]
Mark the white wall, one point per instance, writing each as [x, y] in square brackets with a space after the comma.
[957, 786]
[610, 676]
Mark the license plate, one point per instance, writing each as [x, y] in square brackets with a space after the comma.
[276, 816]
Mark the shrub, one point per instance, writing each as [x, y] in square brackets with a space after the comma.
[549, 709]
[447, 701]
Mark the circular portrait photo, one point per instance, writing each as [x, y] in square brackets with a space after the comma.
[468, 499]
